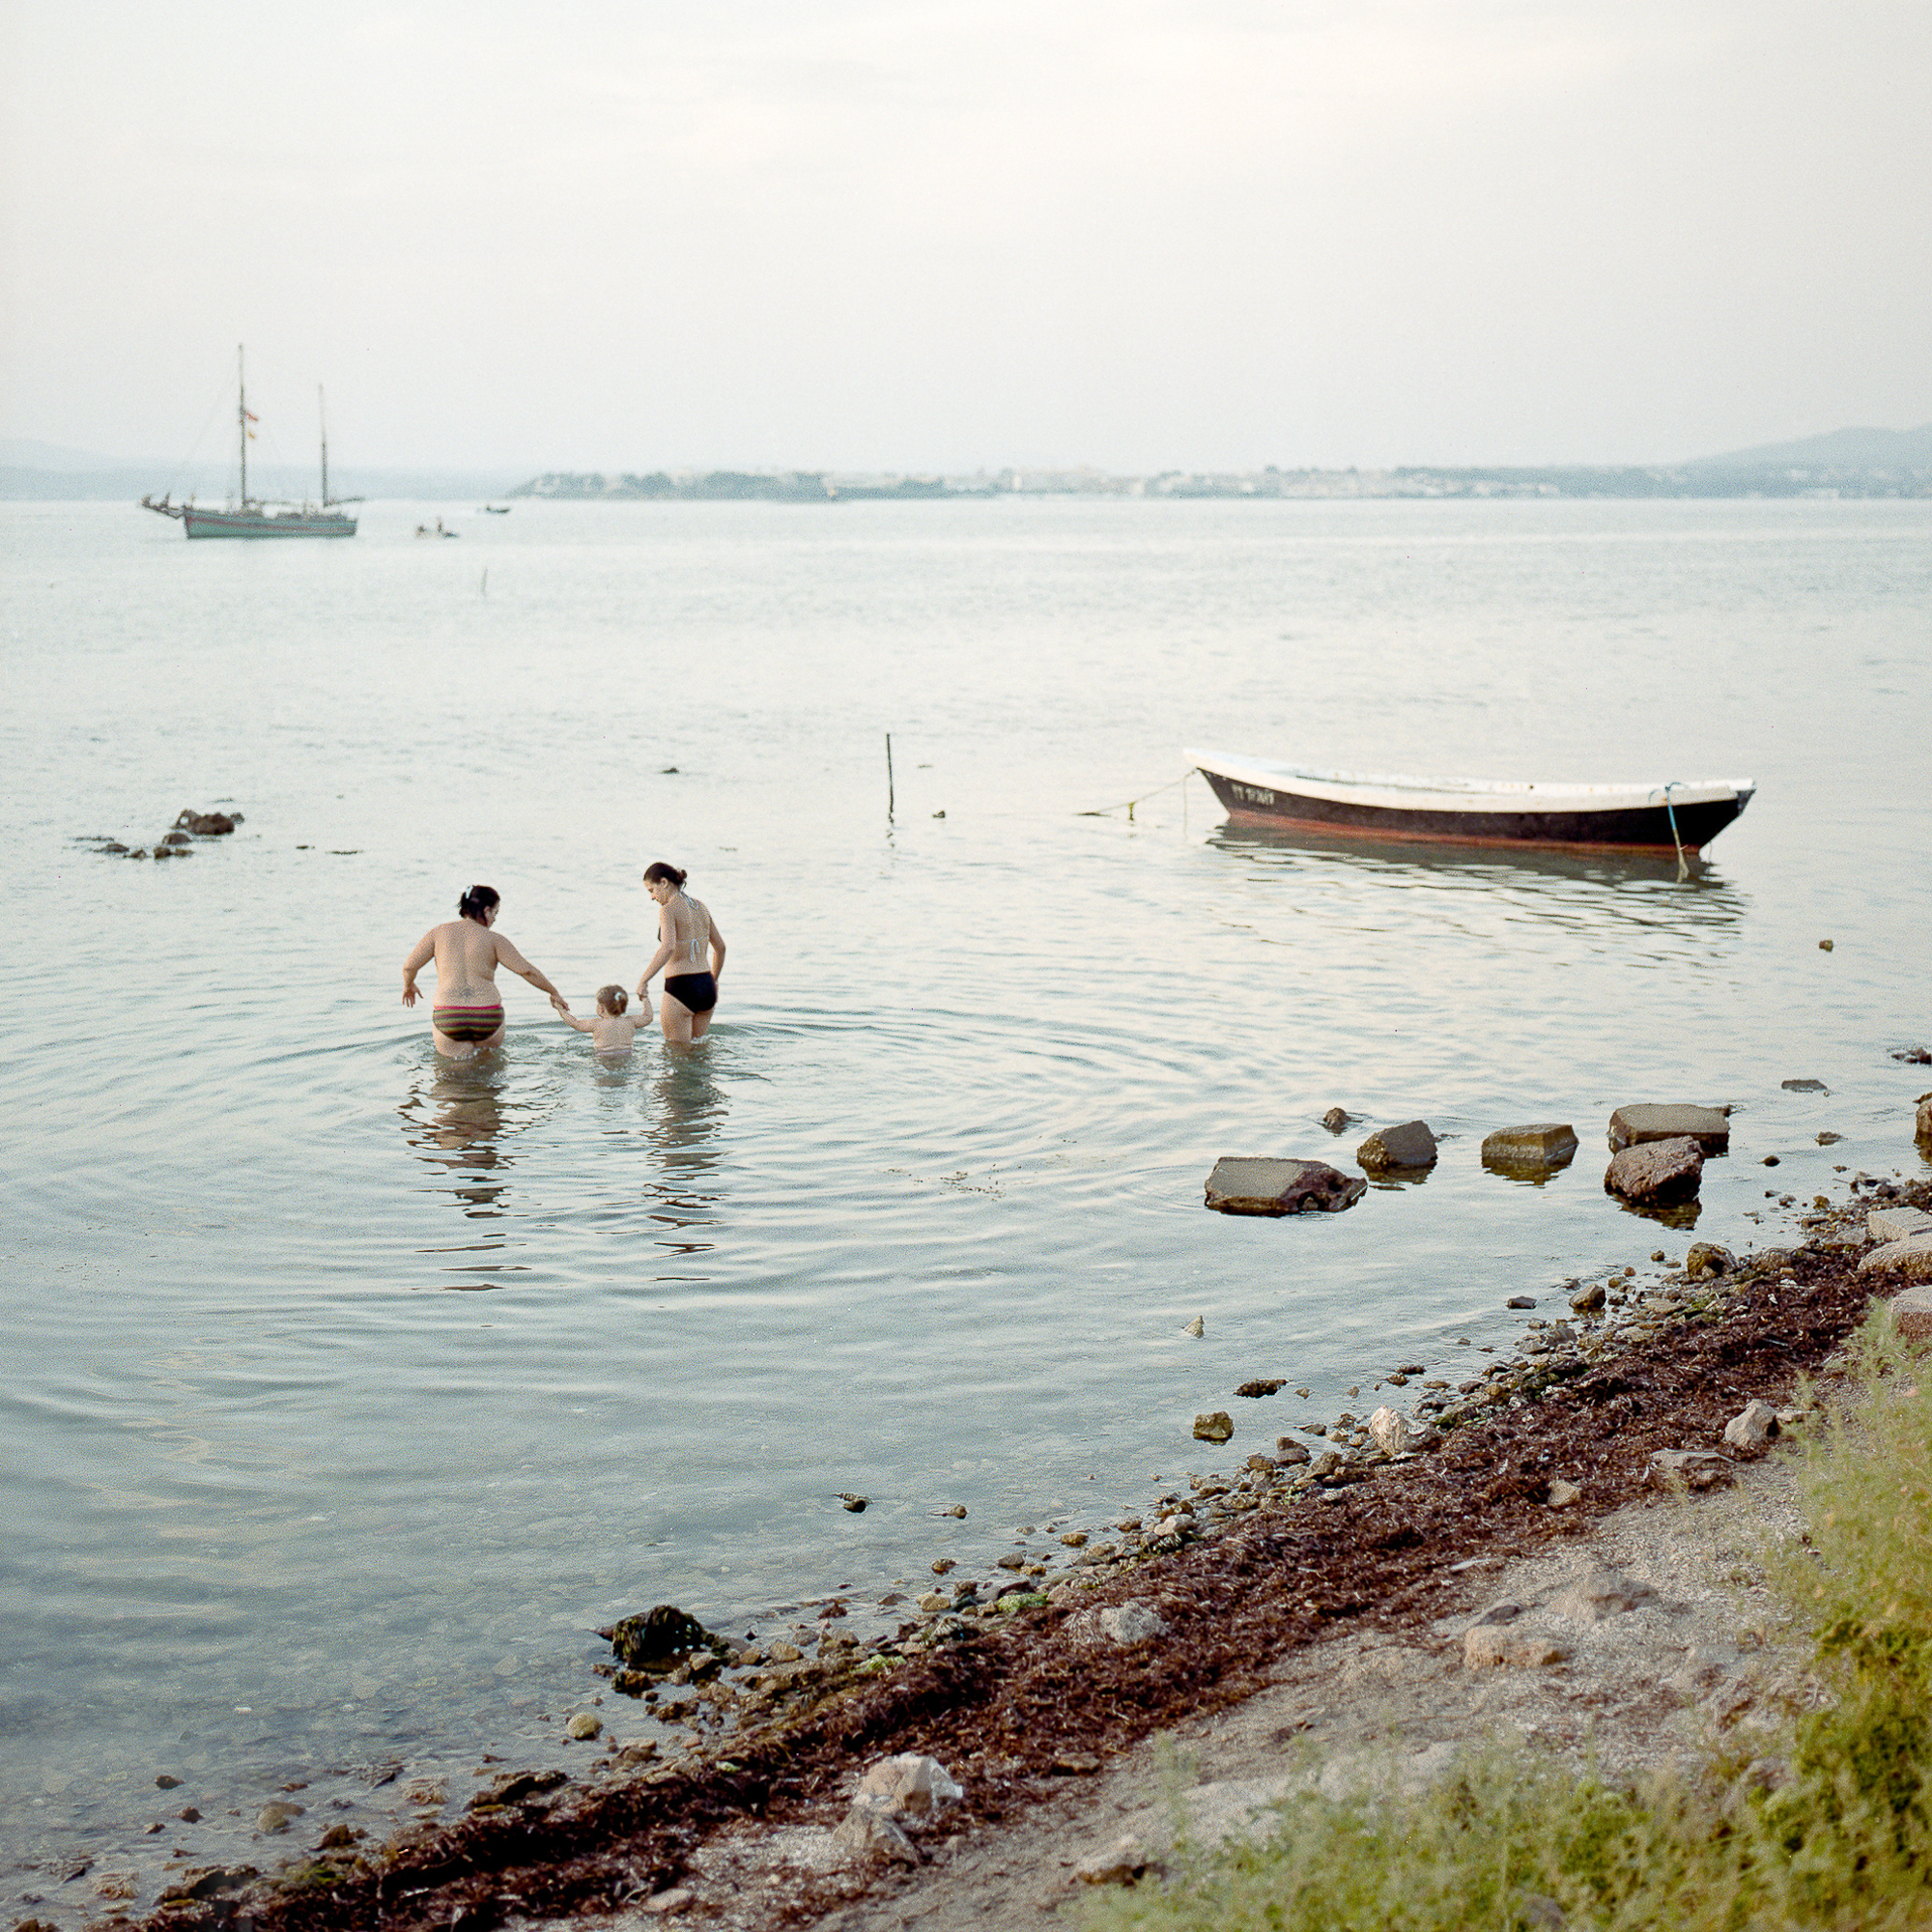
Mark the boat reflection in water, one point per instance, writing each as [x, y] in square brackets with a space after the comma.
[1641, 886]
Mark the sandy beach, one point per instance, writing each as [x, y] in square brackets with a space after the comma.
[1292, 1612]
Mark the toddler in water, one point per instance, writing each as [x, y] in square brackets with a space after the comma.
[612, 1030]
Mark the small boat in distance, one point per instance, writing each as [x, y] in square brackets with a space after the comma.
[1678, 816]
[495, 509]
[257, 516]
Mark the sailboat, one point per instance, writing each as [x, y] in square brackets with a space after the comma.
[257, 516]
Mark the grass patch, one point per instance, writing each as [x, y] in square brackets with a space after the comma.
[1828, 1828]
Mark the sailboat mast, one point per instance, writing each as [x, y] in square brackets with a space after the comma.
[241, 419]
[322, 415]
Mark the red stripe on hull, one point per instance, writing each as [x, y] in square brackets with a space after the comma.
[1402, 835]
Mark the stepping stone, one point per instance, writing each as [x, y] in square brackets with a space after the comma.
[1244, 1185]
[1546, 1146]
[1709, 1127]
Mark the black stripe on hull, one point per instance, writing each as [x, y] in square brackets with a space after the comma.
[1637, 828]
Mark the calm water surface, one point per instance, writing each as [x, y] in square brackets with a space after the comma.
[348, 1392]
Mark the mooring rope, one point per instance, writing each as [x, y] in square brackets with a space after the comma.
[1682, 871]
[1127, 805]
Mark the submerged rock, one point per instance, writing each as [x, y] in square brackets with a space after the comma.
[1336, 1120]
[1245, 1185]
[1215, 1427]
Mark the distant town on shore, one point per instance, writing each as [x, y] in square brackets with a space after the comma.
[1846, 463]
[1867, 462]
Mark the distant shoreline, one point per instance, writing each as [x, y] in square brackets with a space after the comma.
[1575, 481]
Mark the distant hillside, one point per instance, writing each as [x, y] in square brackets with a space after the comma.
[1854, 449]
[33, 471]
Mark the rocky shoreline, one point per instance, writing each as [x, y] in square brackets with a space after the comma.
[1017, 1685]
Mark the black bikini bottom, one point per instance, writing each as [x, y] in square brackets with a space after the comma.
[697, 991]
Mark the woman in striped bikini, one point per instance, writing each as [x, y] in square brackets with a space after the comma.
[468, 1010]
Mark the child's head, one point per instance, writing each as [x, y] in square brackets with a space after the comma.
[612, 1000]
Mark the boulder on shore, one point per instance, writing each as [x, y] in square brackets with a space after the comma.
[1709, 1127]
[1910, 1259]
[1656, 1174]
[1244, 1185]
[1545, 1147]
[1410, 1145]
[1911, 1311]
[1708, 1257]
[1922, 1124]
[1752, 1427]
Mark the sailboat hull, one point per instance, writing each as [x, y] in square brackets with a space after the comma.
[264, 524]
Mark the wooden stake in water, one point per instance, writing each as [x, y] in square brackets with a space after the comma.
[486, 580]
[888, 774]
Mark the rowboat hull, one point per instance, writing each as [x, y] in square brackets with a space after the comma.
[1463, 812]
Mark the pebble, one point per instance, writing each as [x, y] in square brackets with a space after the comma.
[1197, 1328]
[1120, 1863]
[583, 1726]
[1521, 1301]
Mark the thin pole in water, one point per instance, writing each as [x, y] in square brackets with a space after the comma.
[888, 775]
[486, 580]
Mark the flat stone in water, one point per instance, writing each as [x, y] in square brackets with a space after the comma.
[1709, 1127]
[1545, 1147]
[1240, 1184]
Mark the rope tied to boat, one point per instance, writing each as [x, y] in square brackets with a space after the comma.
[1127, 805]
[1682, 871]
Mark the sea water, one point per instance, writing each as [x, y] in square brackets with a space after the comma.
[349, 1391]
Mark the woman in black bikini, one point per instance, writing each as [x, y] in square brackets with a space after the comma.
[685, 931]
[468, 1012]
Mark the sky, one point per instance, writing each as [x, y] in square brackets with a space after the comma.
[933, 236]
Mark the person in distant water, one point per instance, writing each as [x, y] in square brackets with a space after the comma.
[612, 1030]
[686, 930]
[468, 1010]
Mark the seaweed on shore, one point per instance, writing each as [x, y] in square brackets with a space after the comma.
[1003, 1702]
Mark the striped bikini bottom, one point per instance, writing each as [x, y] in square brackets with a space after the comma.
[469, 1023]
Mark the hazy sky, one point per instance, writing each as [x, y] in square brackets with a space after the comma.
[915, 233]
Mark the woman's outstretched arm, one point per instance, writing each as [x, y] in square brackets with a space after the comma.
[509, 955]
[420, 954]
